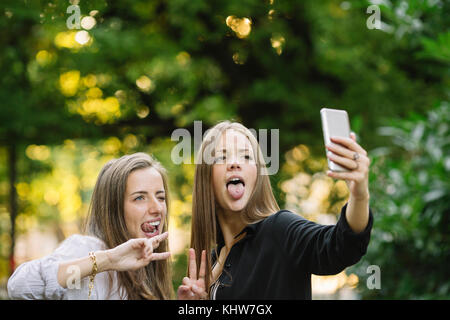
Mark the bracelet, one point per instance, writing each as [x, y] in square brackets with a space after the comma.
[93, 274]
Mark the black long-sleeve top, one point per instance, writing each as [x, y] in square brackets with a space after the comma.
[277, 256]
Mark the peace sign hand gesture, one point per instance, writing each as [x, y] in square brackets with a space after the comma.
[136, 253]
[193, 287]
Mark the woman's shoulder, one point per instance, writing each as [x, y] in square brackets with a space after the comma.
[85, 240]
[284, 215]
[283, 219]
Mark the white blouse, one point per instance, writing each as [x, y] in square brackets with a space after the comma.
[37, 279]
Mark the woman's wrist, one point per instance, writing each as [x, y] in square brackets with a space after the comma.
[360, 194]
[103, 260]
[360, 198]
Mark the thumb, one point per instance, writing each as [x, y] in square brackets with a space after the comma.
[184, 293]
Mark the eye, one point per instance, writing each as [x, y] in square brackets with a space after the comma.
[220, 159]
[162, 198]
[139, 198]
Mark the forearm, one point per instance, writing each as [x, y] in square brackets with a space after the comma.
[357, 213]
[82, 267]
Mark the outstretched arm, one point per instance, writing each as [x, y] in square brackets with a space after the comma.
[352, 156]
[131, 255]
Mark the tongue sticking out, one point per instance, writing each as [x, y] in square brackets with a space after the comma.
[148, 228]
[236, 191]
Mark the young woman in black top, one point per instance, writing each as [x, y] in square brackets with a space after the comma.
[250, 249]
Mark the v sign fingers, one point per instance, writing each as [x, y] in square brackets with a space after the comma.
[192, 265]
[158, 239]
[193, 288]
[202, 272]
[160, 256]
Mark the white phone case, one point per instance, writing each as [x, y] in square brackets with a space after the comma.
[334, 123]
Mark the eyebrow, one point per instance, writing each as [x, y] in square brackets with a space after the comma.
[145, 192]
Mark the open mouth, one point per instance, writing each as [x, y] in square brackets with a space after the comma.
[151, 228]
[235, 187]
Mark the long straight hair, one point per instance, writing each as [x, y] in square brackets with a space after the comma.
[204, 224]
[106, 221]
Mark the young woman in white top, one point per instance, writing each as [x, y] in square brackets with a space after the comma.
[125, 252]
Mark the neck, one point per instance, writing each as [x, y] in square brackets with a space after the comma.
[231, 224]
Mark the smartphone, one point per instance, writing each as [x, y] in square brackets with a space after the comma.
[334, 123]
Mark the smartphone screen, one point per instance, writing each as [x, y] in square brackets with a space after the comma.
[335, 122]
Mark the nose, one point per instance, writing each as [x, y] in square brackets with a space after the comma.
[154, 207]
[233, 164]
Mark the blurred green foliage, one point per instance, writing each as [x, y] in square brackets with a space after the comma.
[410, 195]
[149, 67]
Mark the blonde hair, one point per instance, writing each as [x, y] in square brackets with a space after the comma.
[204, 224]
[106, 221]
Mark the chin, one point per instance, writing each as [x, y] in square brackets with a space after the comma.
[237, 206]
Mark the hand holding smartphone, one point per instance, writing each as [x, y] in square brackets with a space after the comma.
[335, 123]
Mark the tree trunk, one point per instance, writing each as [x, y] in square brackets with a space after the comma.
[12, 166]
